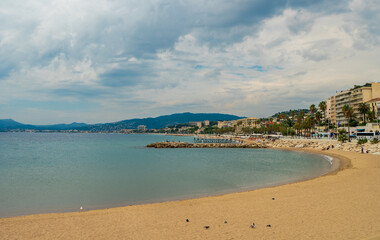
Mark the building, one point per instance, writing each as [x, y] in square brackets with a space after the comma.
[247, 122]
[222, 124]
[126, 130]
[197, 124]
[353, 97]
[206, 122]
[341, 99]
[374, 105]
[330, 110]
[141, 128]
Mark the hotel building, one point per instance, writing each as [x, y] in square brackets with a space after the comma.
[247, 122]
[197, 124]
[330, 109]
[374, 105]
[352, 97]
[222, 124]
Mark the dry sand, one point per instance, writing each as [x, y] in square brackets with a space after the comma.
[342, 205]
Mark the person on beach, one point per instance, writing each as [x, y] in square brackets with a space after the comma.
[362, 150]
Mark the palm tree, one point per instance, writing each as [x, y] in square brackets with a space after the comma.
[293, 114]
[281, 116]
[348, 112]
[312, 124]
[318, 117]
[322, 106]
[363, 109]
[302, 114]
[257, 122]
[312, 109]
[370, 115]
[308, 124]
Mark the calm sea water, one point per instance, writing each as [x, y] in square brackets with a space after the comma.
[56, 172]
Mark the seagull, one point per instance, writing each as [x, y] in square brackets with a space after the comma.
[81, 208]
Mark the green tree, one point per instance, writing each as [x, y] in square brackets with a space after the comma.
[370, 115]
[247, 130]
[302, 115]
[281, 116]
[348, 112]
[322, 106]
[299, 124]
[312, 109]
[293, 114]
[318, 117]
[307, 125]
[363, 109]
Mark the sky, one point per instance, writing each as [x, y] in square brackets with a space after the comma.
[64, 61]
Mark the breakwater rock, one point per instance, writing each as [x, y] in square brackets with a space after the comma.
[205, 145]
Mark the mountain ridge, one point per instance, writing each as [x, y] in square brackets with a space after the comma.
[150, 122]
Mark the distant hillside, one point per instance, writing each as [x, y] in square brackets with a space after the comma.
[73, 125]
[6, 124]
[160, 122]
[150, 123]
[287, 113]
[9, 124]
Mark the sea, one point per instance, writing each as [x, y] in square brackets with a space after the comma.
[62, 172]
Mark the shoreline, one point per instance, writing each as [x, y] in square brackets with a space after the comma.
[17, 227]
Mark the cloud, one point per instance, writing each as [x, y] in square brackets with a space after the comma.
[257, 68]
[139, 58]
[79, 92]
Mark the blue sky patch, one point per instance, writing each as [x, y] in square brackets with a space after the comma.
[257, 68]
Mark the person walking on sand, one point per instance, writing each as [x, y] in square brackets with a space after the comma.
[362, 150]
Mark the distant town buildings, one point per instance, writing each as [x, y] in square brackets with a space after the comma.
[246, 123]
[222, 124]
[126, 130]
[141, 128]
[197, 124]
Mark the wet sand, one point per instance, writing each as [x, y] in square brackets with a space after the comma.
[344, 204]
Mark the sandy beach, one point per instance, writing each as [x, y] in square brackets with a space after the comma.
[342, 205]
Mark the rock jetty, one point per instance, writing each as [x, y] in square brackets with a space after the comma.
[205, 145]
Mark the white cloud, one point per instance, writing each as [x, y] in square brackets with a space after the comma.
[136, 59]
